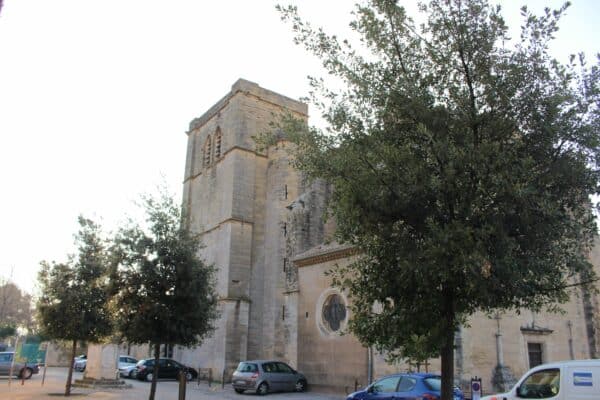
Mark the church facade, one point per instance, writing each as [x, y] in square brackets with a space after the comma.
[262, 227]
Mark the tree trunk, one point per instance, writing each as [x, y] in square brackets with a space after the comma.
[448, 367]
[448, 351]
[70, 375]
[155, 371]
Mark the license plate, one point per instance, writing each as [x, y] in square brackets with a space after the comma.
[240, 382]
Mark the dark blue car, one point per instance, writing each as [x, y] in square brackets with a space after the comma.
[404, 387]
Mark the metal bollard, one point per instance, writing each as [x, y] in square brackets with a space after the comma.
[210, 377]
[223, 379]
[182, 385]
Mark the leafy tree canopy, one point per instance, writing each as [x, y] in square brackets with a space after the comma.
[73, 304]
[73, 301]
[6, 331]
[462, 165]
[164, 291]
[16, 306]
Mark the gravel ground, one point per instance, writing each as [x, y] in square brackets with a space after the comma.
[54, 387]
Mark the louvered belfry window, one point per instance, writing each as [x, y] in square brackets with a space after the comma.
[207, 152]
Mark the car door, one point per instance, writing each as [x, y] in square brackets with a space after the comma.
[271, 376]
[286, 376]
[5, 360]
[171, 368]
[383, 389]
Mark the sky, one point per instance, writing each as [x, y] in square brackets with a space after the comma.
[96, 97]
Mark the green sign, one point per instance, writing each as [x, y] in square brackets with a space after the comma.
[30, 352]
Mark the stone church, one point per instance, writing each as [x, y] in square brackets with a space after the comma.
[262, 227]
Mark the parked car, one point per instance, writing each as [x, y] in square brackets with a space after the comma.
[264, 376]
[19, 369]
[127, 366]
[564, 380]
[399, 386]
[80, 362]
[168, 369]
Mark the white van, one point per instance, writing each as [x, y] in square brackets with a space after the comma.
[564, 380]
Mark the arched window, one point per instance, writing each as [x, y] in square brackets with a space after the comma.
[207, 152]
[218, 138]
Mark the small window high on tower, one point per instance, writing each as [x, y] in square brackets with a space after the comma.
[218, 139]
[207, 152]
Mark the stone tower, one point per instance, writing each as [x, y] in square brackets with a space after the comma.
[236, 195]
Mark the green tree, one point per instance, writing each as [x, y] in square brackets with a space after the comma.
[7, 331]
[73, 304]
[164, 291]
[16, 306]
[462, 168]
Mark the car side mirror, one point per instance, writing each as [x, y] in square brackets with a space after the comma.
[518, 391]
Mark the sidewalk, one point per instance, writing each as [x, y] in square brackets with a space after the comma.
[54, 387]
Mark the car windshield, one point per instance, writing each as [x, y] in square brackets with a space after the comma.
[433, 383]
[247, 367]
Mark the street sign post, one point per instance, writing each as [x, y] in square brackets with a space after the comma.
[475, 388]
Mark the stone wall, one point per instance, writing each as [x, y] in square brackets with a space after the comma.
[591, 303]
[330, 360]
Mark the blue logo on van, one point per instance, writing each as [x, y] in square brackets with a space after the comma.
[582, 378]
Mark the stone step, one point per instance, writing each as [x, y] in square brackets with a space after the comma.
[91, 383]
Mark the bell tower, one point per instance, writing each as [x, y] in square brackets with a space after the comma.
[235, 195]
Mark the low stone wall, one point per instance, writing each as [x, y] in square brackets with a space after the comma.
[59, 354]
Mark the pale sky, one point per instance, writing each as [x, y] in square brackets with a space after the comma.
[96, 97]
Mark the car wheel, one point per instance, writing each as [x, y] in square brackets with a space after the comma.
[26, 373]
[262, 389]
[189, 376]
[300, 385]
[149, 377]
[239, 391]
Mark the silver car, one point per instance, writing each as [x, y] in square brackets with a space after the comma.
[264, 376]
[127, 366]
[19, 369]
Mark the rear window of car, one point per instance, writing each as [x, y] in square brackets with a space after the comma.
[247, 367]
[147, 363]
[407, 384]
[433, 383]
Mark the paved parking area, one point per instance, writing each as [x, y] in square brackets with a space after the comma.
[54, 387]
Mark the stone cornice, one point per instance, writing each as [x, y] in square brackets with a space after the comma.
[234, 299]
[536, 330]
[319, 257]
[252, 89]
